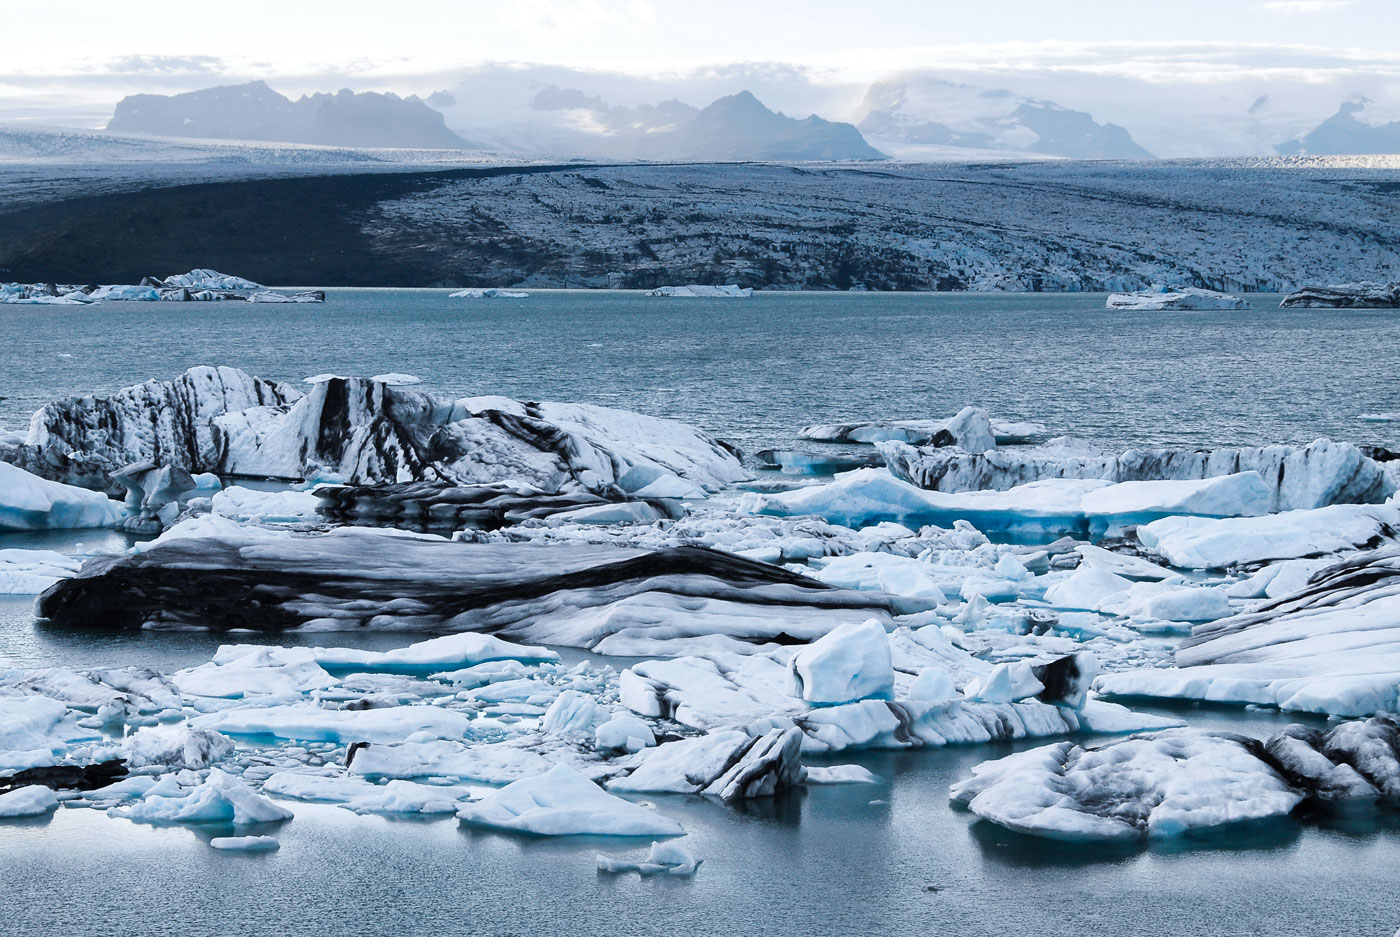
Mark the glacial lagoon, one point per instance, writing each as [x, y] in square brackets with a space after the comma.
[743, 370]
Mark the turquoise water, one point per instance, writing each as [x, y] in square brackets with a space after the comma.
[754, 371]
[892, 858]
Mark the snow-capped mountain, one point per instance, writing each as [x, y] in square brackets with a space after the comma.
[570, 122]
[1344, 134]
[254, 111]
[915, 115]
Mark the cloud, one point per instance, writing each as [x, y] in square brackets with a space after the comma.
[1305, 6]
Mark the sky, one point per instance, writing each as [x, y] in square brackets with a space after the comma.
[77, 57]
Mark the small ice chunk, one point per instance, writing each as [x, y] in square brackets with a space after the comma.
[851, 662]
[562, 802]
[668, 858]
[839, 774]
[245, 843]
[32, 801]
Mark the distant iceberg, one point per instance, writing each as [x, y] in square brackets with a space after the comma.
[1345, 296]
[487, 293]
[695, 290]
[199, 285]
[1184, 298]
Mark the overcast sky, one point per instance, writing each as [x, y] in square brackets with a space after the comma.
[74, 59]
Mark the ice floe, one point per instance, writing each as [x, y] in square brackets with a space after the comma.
[28, 502]
[1174, 298]
[663, 858]
[562, 802]
[1346, 296]
[577, 595]
[700, 291]
[489, 292]
[1321, 473]
[1182, 781]
[1331, 647]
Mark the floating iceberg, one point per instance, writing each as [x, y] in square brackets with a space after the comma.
[489, 292]
[1052, 506]
[200, 285]
[245, 843]
[1201, 543]
[696, 290]
[1178, 782]
[971, 429]
[849, 663]
[351, 578]
[28, 502]
[797, 462]
[221, 798]
[1319, 474]
[32, 801]
[1156, 786]
[1346, 296]
[364, 432]
[1175, 298]
[669, 858]
[176, 747]
[1333, 647]
[426, 657]
[310, 723]
[730, 765]
[29, 572]
[562, 802]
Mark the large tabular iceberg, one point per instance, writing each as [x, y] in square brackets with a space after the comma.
[701, 291]
[1346, 296]
[210, 573]
[1052, 506]
[1178, 298]
[1318, 474]
[359, 431]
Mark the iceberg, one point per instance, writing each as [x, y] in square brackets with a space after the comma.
[489, 292]
[176, 747]
[696, 290]
[1316, 475]
[668, 858]
[426, 657]
[1345, 296]
[359, 431]
[1333, 647]
[729, 765]
[29, 572]
[849, 663]
[28, 502]
[1199, 543]
[1173, 783]
[221, 798]
[1052, 506]
[309, 723]
[1174, 298]
[562, 802]
[196, 575]
[34, 800]
[971, 429]
[245, 843]
[1157, 786]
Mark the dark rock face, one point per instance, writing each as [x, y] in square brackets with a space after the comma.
[256, 112]
[1343, 134]
[363, 578]
[1346, 296]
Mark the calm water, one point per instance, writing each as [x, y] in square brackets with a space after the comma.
[756, 370]
[842, 860]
